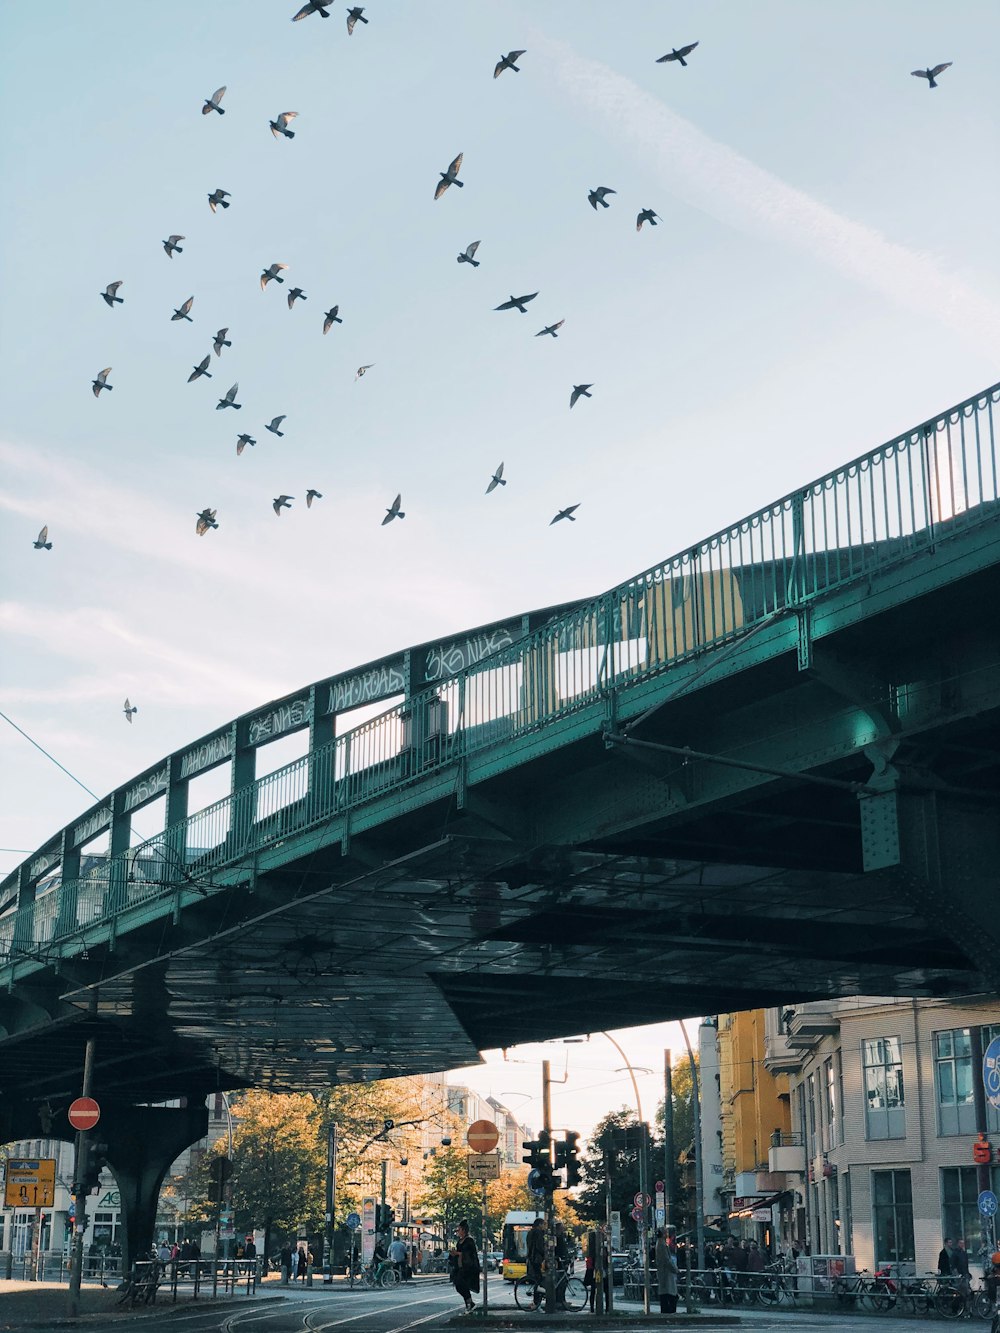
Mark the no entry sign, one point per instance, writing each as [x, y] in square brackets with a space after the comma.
[84, 1113]
[482, 1136]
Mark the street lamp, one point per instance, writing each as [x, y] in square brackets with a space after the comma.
[643, 1241]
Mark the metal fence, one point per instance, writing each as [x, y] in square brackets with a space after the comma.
[909, 495]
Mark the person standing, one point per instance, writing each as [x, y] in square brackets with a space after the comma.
[944, 1265]
[536, 1250]
[960, 1267]
[466, 1265]
[397, 1257]
[301, 1263]
[286, 1263]
[666, 1274]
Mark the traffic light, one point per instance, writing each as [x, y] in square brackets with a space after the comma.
[570, 1159]
[220, 1170]
[89, 1165]
[537, 1152]
[384, 1217]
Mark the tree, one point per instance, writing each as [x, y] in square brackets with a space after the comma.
[683, 1104]
[448, 1195]
[613, 1159]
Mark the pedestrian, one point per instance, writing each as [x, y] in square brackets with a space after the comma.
[466, 1265]
[666, 1274]
[588, 1280]
[944, 1264]
[285, 1259]
[301, 1263]
[960, 1267]
[536, 1250]
[397, 1257]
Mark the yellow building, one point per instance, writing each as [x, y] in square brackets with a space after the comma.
[755, 1105]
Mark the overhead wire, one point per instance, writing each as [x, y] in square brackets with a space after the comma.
[49, 756]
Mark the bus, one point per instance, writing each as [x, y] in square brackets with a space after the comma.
[516, 1226]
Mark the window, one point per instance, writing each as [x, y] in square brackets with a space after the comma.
[885, 1116]
[892, 1217]
[831, 1129]
[811, 1102]
[838, 1061]
[846, 1215]
[953, 1078]
[960, 1214]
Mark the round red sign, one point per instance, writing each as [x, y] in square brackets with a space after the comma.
[482, 1136]
[84, 1113]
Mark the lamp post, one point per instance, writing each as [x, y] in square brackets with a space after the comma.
[699, 1186]
[643, 1239]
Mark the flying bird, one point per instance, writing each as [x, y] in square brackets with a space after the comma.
[270, 273]
[361, 370]
[273, 425]
[230, 399]
[580, 391]
[41, 542]
[496, 480]
[170, 245]
[647, 215]
[281, 502]
[931, 74]
[312, 495]
[450, 177]
[201, 369]
[331, 318]
[241, 443]
[280, 126]
[294, 294]
[205, 520]
[320, 7]
[212, 103]
[102, 382]
[516, 303]
[110, 294]
[507, 62]
[565, 513]
[678, 54]
[221, 341]
[551, 329]
[394, 511]
[599, 196]
[466, 256]
[129, 710]
[218, 197]
[353, 14]
[183, 312]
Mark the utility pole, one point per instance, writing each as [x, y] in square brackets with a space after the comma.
[550, 1237]
[331, 1195]
[669, 1154]
[80, 1217]
[699, 1185]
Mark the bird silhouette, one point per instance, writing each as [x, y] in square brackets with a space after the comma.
[466, 256]
[201, 369]
[496, 480]
[183, 312]
[450, 177]
[41, 542]
[217, 198]
[110, 294]
[394, 511]
[516, 303]
[230, 399]
[102, 382]
[678, 54]
[205, 520]
[568, 512]
[221, 341]
[281, 502]
[280, 125]
[551, 329]
[170, 245]
[312, 495]
[320, 7]
[647, 215]
[507, 62]
[931, 74]
[361, 370]
[353, 15]
[272, 273]
[273, 425]
[212, 103]
[241, 443]
[293, 295]
[129, 710]
[580, 391]
[599, 196]
[331, 318]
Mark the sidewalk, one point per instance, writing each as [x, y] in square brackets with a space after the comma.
[23, 1304]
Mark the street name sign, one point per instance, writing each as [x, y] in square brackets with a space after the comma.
[484, 1166]
[31, 1182]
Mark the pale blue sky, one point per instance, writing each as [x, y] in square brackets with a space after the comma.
[825, 275]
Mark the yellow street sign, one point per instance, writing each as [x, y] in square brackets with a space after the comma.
[30, 1182]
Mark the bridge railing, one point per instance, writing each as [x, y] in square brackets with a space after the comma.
[910, 493]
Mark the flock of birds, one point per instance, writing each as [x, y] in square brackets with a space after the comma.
[599, 197]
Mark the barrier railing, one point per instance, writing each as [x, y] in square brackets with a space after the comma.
[917, 490]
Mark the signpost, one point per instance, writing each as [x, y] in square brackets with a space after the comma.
[988, 1203]
[31, 1183]
[84, 1113]
[484, 1166]
[482, 1137]
[353, 1222]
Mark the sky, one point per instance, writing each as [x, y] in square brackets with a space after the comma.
[823, 276]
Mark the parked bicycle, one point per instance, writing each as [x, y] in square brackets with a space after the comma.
[571, 1294]
[141, 1285]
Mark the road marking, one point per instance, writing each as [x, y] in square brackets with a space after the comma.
[333, 1323]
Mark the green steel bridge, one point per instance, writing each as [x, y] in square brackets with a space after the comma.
[765, 770]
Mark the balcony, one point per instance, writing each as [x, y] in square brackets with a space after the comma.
[786, 1154]
[807, 1024]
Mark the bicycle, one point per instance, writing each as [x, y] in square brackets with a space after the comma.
[775, 1286]
[379, 1273]
[571, 1294]
[140, 1288]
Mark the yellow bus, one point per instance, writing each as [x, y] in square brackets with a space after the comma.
[516, 1226]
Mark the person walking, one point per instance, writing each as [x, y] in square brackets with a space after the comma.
[285, 1258]
[535, 1258]
[301, 1263]
[666, 1274]
[466, 1265]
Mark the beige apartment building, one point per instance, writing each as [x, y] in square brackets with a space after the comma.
[878, 1162]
